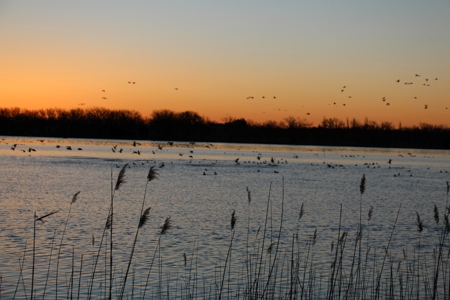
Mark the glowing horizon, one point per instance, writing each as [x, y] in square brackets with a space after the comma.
[210, 58]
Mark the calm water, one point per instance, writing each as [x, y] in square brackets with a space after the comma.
[199, 186]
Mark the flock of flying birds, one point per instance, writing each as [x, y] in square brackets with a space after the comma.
[425, 82]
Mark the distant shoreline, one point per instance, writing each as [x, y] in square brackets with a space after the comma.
[165, 125]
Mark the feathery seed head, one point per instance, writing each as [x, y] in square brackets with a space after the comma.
[436, 214]
[144, 217]
[249, 196]
[109, 222]
[362, 185]
[121, 177]
[369, 215]
[300, 215]
[419, 223]
[152, 174]
[233, 219]
[166, 226]
[447, 224]
[74, 198]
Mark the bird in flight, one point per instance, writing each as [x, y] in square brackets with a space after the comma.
[103, 91]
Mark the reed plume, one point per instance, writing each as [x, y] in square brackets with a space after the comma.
[362, 185]
[144, 217]
[166, 226]
[436, 214]
[419, 223]
[121, 178]
[233, 219]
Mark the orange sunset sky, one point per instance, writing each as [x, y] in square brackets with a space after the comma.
[211, 56]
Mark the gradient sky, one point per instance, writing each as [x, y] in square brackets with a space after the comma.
[219, 53]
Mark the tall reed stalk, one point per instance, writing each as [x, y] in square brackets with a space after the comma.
[143, 217]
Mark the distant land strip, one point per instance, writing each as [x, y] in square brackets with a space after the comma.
[167, 125]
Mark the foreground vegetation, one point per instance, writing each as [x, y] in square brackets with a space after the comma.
[269, 267]
[190, 126]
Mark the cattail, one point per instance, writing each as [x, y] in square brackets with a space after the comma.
[314, 237]
[74, 198]
[269, 249]
[45, 216]
[233, 219]
[250, 197]
[369, 215]
[300, 215]
[166, 226]
[419, 223]
[362, 185]
[121, 177]
[93, 240]
[144, 217]
[152, 174]
[185, 259]
[332, 246]
[436, 214]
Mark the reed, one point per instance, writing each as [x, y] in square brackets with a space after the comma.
[274, 263]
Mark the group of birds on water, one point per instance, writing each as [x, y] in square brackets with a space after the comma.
[269, 162]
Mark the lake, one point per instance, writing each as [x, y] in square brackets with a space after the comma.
[199, 187]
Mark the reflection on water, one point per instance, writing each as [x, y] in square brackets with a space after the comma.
[199, 186]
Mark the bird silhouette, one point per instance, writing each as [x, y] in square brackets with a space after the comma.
[236, 160]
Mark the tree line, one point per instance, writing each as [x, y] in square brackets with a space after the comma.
[189, 126]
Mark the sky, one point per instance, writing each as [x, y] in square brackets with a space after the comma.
[259, 60]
